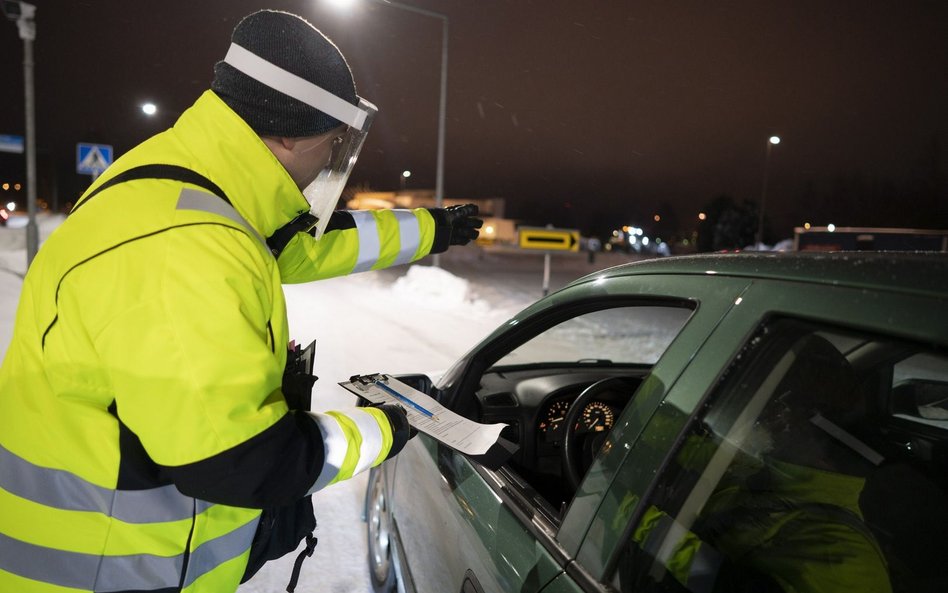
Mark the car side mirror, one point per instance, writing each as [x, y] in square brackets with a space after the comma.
[420, 382]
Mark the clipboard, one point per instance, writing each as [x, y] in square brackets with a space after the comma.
[480, 442]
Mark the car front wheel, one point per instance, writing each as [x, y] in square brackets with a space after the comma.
[379, 521]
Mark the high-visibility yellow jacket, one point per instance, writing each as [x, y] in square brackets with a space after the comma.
[803, 532]
[142, 424]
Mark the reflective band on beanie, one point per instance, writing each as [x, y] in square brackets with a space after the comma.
[294, 86]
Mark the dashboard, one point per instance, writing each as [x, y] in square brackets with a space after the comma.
[534, 403]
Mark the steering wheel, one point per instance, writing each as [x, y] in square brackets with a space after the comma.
[578, 446]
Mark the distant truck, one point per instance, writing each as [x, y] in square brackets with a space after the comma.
[868, 239]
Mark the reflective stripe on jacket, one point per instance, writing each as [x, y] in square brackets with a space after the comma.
[141, 419]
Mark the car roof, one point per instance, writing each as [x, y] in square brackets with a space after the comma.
[909, 272]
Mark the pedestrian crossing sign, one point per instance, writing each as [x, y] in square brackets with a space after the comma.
[92, 159]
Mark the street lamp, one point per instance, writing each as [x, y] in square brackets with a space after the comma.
[24, 13]
[771, 142]
[443, 102]
[404, 177]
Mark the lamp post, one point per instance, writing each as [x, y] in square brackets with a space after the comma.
[443, 102]
[771, 142]
[24, 13]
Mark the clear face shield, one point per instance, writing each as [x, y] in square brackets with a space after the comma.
[324, 192]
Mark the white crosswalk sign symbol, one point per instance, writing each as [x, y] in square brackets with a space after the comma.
[92, 159]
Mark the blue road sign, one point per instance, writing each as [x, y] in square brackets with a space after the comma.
[92, 159]
[9, 143]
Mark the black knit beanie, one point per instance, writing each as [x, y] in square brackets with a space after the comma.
[292, 43]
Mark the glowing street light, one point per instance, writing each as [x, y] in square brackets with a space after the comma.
[404, 177]
[771, 142]
[149, 109]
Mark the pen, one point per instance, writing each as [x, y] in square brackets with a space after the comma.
[406, 400]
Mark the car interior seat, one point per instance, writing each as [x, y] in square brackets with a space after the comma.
[905, 501]
[819, 411]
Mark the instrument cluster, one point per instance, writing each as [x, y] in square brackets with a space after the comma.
[597, 416]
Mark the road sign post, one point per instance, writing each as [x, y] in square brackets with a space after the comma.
[24, 14]
[546, 273]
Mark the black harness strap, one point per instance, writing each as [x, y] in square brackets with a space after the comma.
[173, 172]
[276, 242]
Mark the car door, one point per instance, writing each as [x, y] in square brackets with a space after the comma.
[798, 381]
[465, 527]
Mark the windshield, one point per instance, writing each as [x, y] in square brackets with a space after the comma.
[623, 335]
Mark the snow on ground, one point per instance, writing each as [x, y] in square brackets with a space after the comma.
[415, 318]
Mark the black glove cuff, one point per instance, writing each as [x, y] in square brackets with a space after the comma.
[442, 236]
[401, 429]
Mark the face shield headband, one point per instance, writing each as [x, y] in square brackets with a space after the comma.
[323, 193]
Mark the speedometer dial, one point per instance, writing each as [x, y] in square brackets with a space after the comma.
[552, 421]
[598, 417]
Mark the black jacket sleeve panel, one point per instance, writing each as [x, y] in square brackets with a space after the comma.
[340, 220]
[274, 468]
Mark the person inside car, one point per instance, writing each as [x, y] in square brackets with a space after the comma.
[784, 515]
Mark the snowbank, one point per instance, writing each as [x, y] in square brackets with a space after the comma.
[438, 289]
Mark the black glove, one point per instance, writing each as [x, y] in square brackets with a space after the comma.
[402, 431]
[455, 225]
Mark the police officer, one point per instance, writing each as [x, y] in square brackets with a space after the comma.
[143, 428]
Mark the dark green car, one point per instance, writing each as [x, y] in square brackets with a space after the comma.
[766, 422]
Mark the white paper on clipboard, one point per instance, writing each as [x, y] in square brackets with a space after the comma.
[430, 417]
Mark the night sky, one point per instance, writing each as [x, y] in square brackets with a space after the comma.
[587, 114]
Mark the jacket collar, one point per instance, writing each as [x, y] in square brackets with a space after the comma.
[225, 149]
